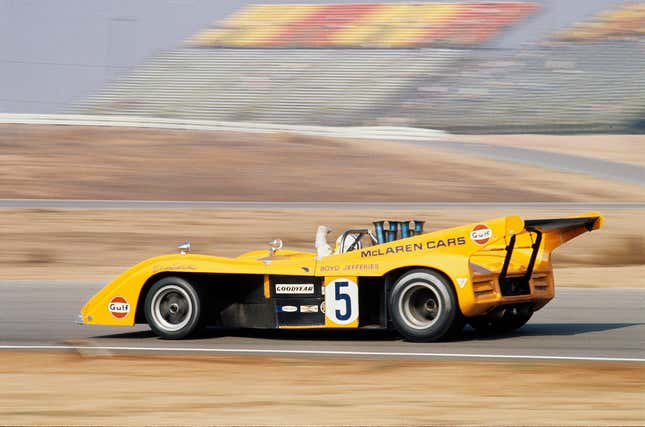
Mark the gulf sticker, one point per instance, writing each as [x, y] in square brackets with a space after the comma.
[481, 234]
[119, 307]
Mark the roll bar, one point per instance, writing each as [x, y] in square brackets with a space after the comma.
[360, 232]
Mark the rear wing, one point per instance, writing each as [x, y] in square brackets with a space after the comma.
[549, 234]
[560, 230]
[588, 222]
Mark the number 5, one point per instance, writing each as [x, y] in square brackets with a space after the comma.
[344, 297]
[341, 302]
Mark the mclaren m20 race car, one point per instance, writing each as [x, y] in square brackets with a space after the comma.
[492, 274]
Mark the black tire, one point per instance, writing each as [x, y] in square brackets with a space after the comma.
[502, 322]
[173, 308]
[457, 327]
[424, 306]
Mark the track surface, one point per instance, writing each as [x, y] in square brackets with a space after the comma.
[617, 171]
[579, 323]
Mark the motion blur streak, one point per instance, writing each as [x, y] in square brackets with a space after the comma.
[319, 352]
[176, 204]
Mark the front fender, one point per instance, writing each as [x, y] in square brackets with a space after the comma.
[116, 303]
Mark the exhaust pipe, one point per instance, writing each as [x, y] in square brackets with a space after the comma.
[379, 231]
[418, 227]
[405, 229]
[392, 232]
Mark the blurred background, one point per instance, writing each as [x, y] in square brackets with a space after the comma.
[540, 66]
[128, 127]
[363, 102]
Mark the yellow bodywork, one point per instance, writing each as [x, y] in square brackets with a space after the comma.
[472, 265]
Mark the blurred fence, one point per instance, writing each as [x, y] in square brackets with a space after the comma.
[365, 132]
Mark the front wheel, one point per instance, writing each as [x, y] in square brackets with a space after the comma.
[424, 306]
[173, 308]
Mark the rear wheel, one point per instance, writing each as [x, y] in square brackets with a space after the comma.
[424, 306]
[173, 308]
[503, 321]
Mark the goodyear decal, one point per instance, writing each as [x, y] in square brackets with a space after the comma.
[294, 289]
[414, 247]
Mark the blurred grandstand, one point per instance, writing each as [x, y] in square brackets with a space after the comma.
[622, 23]
[414, 64]
[393, 25]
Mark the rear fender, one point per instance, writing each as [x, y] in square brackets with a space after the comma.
[453, 261]
[525, 261]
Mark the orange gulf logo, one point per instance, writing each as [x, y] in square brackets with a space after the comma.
[481, 234]
[119, 307]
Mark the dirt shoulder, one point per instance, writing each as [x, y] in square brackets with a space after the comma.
[617, 148]
[148, 164]
[67, 389]
[97, 245]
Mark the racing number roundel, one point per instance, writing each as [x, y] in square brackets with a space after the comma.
[341, 301]
[481, 234]
[119, 307]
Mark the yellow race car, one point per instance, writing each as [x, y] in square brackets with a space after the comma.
[492, 274]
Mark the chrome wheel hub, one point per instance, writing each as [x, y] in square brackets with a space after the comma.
[419, 305]
[172, 308]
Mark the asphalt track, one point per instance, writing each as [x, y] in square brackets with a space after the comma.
[617, 171]
[188, 204]
[580, 324]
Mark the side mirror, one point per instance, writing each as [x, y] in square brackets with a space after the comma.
[274, 245]
[184, 248]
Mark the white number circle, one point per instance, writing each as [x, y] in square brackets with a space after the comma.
[341, 301]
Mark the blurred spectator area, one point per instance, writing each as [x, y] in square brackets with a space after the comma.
[626, 22]
[568, 87]
[316, 71]
[393, 25]
[296, 86]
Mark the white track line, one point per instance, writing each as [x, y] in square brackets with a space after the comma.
[319, 352]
